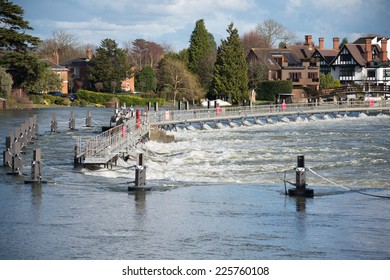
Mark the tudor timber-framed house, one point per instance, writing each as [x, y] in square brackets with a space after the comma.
[363, 62]
[326, 56]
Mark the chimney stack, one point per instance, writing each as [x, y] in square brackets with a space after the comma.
[368, 52]
[321, 43]
[56, 57]
[383, 54]
[336, 43]
[308, 41]
[89, 53]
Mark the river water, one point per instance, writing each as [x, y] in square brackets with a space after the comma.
[217, 194]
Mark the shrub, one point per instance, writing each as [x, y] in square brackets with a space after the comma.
[269, 90]
[128, 99]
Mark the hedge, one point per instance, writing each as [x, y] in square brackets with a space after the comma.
[269, 90]
[101, 98]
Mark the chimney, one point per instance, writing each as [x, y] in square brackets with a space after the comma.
[308, 41]
[56, 57]
[321, 43]
[336, 43]
[89, 53]
[368, 52]
[383, 54]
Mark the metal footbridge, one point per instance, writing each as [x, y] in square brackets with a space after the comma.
[106, 147]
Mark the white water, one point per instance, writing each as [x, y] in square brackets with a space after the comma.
[352, 151]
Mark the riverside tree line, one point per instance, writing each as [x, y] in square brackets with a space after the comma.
[203, 70]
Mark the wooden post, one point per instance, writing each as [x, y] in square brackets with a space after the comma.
[53, 125]
[88, 119]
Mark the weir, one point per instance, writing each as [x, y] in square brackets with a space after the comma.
[120, 140]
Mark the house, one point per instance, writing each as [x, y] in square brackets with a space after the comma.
[326, 56]
[294, 63]
[78, 70]
[61, 71]
[363, 62]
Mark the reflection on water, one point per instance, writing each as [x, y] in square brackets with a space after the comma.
[216, 195]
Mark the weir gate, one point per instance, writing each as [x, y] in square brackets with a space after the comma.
[120, 140]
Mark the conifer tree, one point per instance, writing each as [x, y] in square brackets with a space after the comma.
[12, 32]
[109, 65]
[201, 53]
[230, 70]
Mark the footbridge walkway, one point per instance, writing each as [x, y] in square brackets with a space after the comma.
[105, 148]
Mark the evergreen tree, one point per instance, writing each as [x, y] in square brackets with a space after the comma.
[146, 80]
[16, 45]
[109, 66]
[230, 69]
[201, 53]
[13, 35]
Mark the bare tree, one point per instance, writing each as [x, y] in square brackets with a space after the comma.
[64, 43]
[253, 39]
[143, 53]
[273, 32]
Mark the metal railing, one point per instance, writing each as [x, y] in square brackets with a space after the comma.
[203, 115]
[110, 142]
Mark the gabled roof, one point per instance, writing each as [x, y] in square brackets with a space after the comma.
[357, 52]
[327, 54]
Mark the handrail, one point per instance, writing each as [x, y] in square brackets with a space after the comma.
[198, 115]
[123, 135]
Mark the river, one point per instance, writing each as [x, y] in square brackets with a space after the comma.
[217, 194]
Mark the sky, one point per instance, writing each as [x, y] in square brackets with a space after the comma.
[172, 21]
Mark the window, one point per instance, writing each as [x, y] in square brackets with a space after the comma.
[371, 74]
[347, 71]
[386, 74]
[76, 72]
[345, 57]
[313, 76]
[295, 76]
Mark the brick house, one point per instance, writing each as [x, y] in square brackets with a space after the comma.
[61, 71]
[78, 71]
[294, 63]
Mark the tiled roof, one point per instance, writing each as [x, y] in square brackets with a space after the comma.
[328, 54]
[54, 66]
[357, 51]
[301, 52]
[266, 56]
[76, 62]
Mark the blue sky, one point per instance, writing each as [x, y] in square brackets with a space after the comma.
[172, 21]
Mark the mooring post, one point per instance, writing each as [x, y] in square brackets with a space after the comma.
[35, 126]
[300, 180]
[17, 162]
[88, 119]
[53, 124]
[7, 153]
[76, 155]
[140, 172]
[140, 175]
[156, 106]
[187, 105]
[72, 121]
[36, 166]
